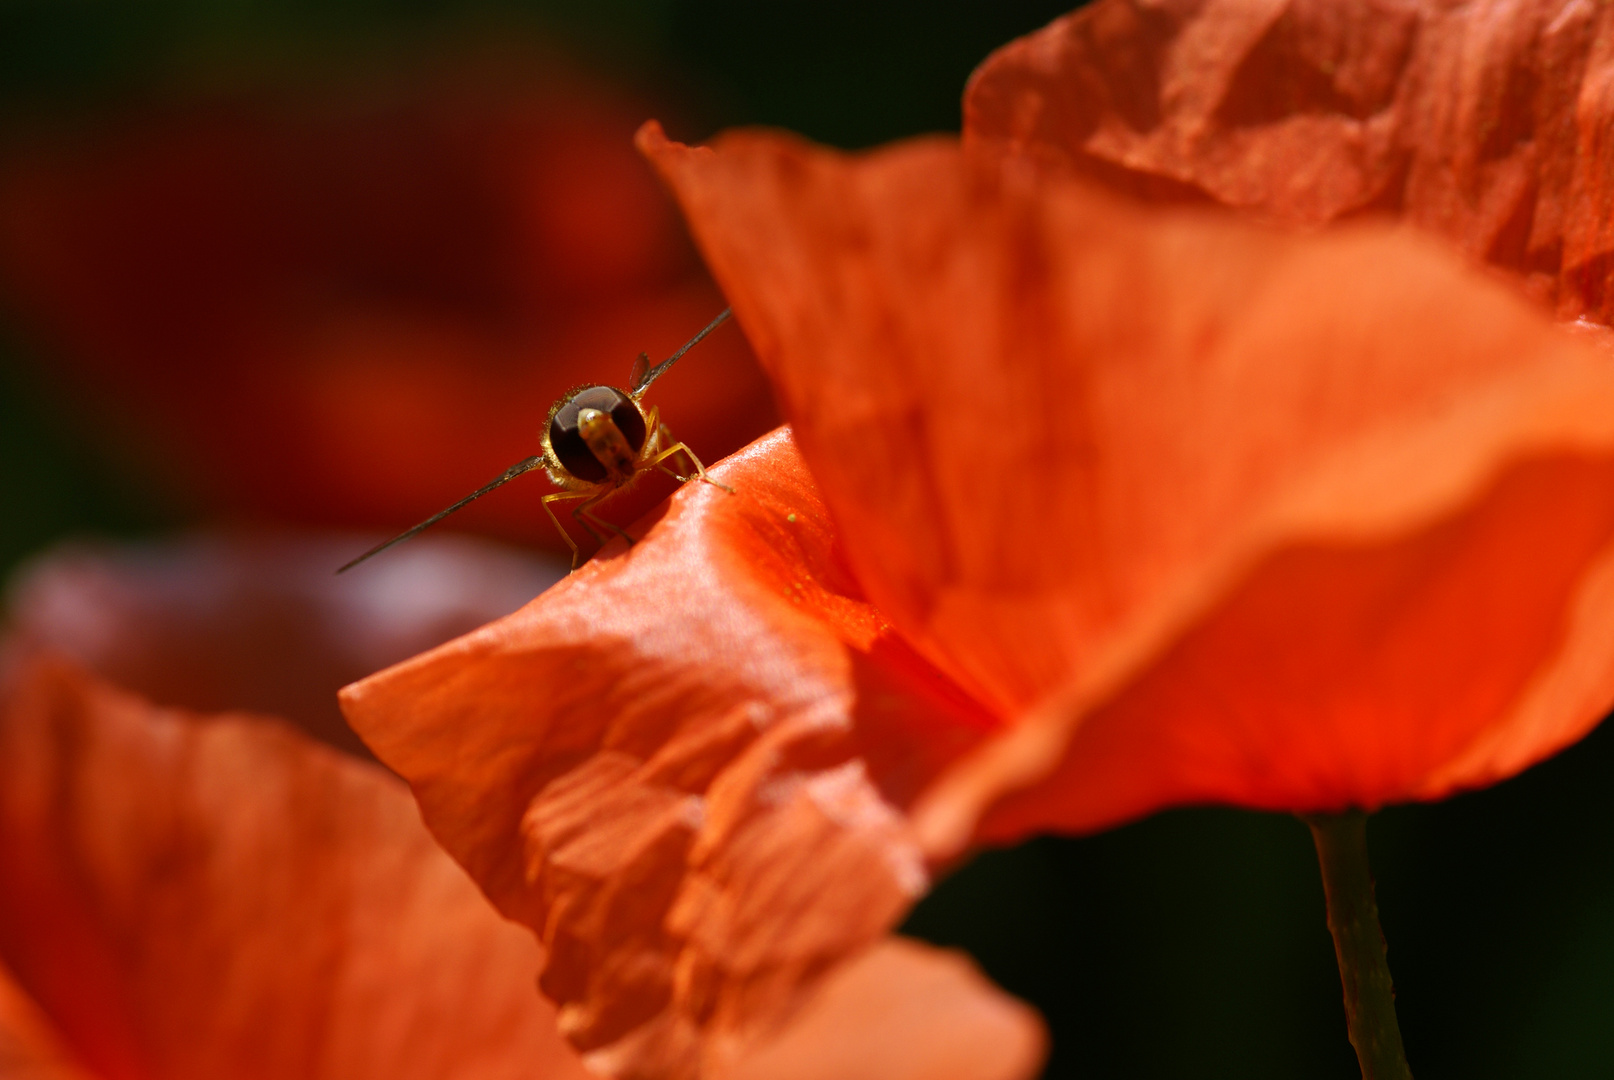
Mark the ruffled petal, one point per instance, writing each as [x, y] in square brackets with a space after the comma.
[1298, 522]
[190, 897]
[1484, 122]
[686, 768]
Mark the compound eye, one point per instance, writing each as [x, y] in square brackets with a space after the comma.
[567, 442]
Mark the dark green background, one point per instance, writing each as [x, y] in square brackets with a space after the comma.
[1188, 945]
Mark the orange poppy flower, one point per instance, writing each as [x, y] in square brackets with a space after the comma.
[1112, 507]
[337, 312]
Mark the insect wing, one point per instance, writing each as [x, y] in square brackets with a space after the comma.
[641, 383]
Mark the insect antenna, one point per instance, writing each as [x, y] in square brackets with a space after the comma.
[504, 478]
[643, 379]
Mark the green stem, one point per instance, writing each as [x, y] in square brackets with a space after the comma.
[1353, 919]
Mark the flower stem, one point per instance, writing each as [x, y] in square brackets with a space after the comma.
[1353, 919]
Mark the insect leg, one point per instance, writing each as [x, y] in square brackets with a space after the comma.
[577, 516]
[557, 497]
[584, 517]
[700, 470]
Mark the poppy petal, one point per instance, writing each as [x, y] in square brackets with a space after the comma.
[1485, 123]
[29, 1048]
[1079, 448]
[221, 896]
[903, 1011]
[685, 767]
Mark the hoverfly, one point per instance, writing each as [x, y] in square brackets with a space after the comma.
[598, 441]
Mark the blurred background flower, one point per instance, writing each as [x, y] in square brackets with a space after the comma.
[342, 307]
[327, 264]
[196, 892]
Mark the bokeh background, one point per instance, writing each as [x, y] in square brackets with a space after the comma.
[273, 265]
